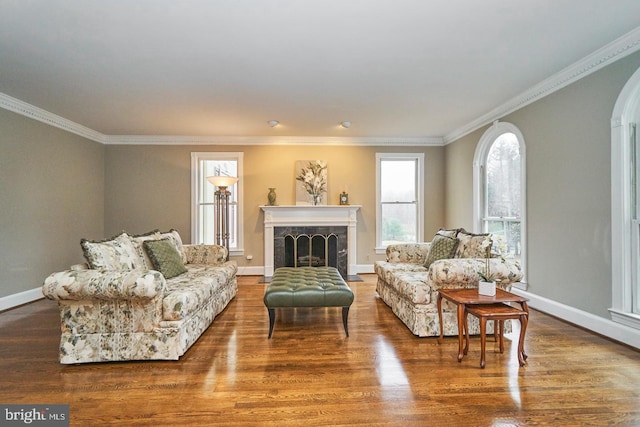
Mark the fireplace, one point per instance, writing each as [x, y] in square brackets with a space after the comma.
[317, 235]
[310, 247]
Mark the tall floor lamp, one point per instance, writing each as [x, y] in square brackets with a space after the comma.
[222, 208]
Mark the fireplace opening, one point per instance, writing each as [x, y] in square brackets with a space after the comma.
[317, 250]
[311, 247]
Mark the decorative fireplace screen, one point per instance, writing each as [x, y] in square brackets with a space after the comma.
[311, 247]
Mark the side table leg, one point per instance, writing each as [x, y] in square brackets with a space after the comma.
[439, 302]
[466, 333]
[461, 313]
[525, 308]
[483, 339]
[522, 356]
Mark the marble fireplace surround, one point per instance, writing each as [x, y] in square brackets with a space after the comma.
[310, 216]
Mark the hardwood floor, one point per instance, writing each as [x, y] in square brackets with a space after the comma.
[309, 373]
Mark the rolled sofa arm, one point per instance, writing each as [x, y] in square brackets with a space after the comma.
[81, 285]
[205, 254]
[464, 272]
[411, 253]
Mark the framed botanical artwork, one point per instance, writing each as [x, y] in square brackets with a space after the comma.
[311, 182]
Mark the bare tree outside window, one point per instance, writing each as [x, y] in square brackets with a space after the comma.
[503, 191]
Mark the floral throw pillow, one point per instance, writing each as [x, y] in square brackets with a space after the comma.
[138, 241]
[453, 232]
[118, 253]
[471, 245]
[442, 247]
[165, 257]
[175, 238]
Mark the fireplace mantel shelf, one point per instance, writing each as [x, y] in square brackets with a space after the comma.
[268, 207]
[313, 216]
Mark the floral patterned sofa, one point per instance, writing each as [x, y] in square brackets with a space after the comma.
[140, 297]
[411, 289]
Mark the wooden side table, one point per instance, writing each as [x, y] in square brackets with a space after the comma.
[498, 313]
[465, 297]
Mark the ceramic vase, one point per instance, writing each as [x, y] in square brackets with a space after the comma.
[271, 197]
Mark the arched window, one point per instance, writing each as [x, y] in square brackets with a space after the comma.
[499, 187]
[625, 205]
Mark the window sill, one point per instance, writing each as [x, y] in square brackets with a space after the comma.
[236, 252]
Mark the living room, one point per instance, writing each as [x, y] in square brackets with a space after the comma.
[65, 180]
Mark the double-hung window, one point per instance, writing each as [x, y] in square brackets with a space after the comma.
[399, 189]
[203, 165]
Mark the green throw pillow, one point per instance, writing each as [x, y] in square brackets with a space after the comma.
[164, 257]
[442, 247]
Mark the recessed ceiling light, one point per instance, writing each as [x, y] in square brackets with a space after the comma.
[345, 124]
[273, 123]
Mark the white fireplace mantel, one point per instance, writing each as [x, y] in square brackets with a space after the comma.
[310, 216]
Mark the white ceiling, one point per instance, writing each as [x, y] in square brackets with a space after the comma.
[394, 68]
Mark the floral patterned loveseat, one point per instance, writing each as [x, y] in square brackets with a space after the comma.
[120, 306]
[411, 289]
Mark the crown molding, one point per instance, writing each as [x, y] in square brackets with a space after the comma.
[13, 104]
[272, 140]
[17, 106]
[617, 49]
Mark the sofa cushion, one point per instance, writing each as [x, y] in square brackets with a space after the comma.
[188, 292]
[117, 253]
[441, 247]
[412, 285]
[387, 270]
[165, 257]
[470, 245]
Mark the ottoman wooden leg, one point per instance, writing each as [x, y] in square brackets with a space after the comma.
[345, 316]
[272, 319]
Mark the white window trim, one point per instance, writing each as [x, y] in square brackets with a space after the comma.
[196, 157]
[419, 191]
[626, 109]
[479, 162]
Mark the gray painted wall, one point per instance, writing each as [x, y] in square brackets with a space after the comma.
[568, 143]
[51, 195]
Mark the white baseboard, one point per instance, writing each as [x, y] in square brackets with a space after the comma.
[365, 268]
[597, 324]
[251, 271]
[14, 300]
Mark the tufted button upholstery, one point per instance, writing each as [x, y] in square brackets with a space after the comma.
[307, 287]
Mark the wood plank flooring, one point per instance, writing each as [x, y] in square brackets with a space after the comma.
[310, 374]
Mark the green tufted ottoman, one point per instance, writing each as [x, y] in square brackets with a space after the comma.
[307, 287]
